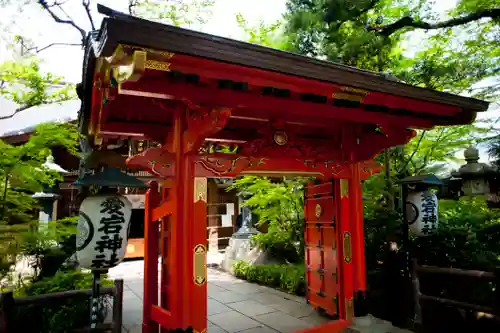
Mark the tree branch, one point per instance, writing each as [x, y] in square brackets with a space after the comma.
[407, 22]
[370, 6]
[332, 14]
[40, 49]
[86, 4]
[413, 153]
[431, 151]
[56, 18]
[131, 6]
[22, 108]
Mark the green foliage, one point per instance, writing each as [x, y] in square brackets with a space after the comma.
[449, 59]
[58, 315]
[175, 12]
[289, 278]
[337, 30]
[440, 66]
[62, 281]
[494, 150]
[22, 174]
[270, 35]
[25, 84]
[375, 192]
[381, 227]
[47, 248]
[280, 204]
[430, 151]
[21, 171]
[468, 236]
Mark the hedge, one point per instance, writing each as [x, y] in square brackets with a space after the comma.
[290, 278]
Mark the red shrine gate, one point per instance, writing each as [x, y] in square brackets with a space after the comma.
[288, 115]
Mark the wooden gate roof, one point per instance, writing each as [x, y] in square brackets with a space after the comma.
[137, 73]
[140, 32]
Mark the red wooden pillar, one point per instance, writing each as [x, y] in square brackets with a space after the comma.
[151, 238]
[165, 247]
[180, 229]
[344, 232]
[197, 256]
[358, 233]
[187, 260]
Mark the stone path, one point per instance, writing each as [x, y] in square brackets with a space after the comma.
[238, 306]
[233, 305]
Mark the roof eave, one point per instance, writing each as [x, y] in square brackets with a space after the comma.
[198, 44]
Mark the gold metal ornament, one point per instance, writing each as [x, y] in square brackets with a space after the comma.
[318, 211]
[280, 138]
[199, 265]
[349, 308]
[200, 189]
[158, 65]
[347, 247]
[344, 188]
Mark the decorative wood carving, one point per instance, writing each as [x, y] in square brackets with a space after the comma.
[160, 163]
[202, 124]
[369, 168]
[227, 165]
[329, 167]
[279, 140]
[157, 160]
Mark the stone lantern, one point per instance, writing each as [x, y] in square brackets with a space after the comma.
[246, 229]
[475, 176]
[240, 244]
[49, 195]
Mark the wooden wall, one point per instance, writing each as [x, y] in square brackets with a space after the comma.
[221, 216]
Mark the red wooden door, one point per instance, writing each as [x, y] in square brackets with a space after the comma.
[321, 248]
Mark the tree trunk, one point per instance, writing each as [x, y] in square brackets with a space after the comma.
[387, 168]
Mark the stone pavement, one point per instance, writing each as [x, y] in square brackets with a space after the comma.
[238, 306]
[233, 305]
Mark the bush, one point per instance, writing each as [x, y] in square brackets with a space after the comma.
[287, 277]
[467, 237]
[279, 244]
[59, 315]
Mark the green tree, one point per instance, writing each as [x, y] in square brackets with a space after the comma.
[175, 12]
[337, 30]
[458, 54]
[270, 35]
[21, 175]
[25, 84]
[21, 170]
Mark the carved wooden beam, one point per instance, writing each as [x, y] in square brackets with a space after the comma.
[202, 124]
[157, 161]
